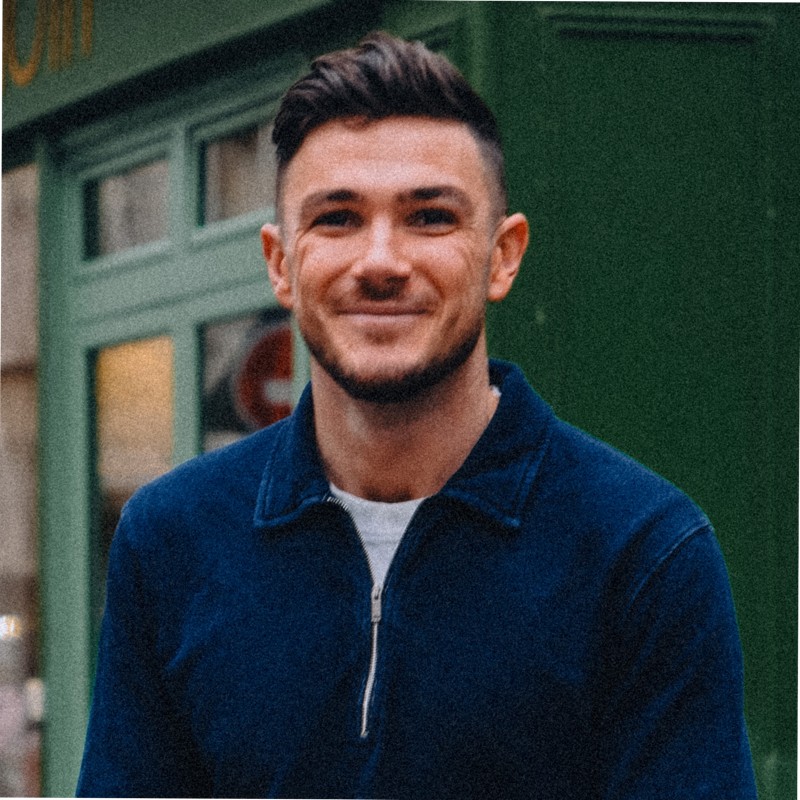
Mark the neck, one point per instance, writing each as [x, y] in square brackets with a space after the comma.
[407, 450]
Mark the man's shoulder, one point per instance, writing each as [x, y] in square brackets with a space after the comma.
[611, 501]
[595, 473]
[578, 469]
[601, 469]
[221, 484]
[572, 475]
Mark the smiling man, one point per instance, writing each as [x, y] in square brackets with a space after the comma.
[423, 583]
[389, 247]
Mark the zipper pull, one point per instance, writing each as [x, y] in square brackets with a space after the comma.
[376, 602]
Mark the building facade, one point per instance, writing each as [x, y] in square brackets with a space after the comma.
[652, 146]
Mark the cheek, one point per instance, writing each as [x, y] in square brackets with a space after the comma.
[463, 271]
[308, 272]
[319, 262]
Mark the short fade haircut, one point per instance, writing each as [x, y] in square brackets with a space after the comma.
[382, 77]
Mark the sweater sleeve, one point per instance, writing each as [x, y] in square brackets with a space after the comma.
[670, 722]
[135, 745]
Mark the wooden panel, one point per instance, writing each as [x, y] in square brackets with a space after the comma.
[648, 311]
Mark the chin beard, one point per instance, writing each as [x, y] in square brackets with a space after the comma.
[404, 386]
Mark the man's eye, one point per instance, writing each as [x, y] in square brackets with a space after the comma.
[336, 219]
[433, 217]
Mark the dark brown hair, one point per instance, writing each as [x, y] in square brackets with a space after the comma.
[381, 77]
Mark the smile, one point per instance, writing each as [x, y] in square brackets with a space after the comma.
[383, 319]
[386, 313]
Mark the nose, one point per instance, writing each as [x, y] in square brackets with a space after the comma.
[381, 268]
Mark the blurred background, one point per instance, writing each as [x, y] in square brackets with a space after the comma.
[653, 147]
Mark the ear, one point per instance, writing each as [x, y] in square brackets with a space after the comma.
[277, 268]
[511, 241]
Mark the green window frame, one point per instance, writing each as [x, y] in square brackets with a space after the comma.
[194, 275]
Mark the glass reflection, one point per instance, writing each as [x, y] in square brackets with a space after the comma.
[239, 173]
[133, 392]
[126, 209]
[247, 375]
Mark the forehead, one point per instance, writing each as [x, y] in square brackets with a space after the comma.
[393, 156]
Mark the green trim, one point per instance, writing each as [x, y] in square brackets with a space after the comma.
[63, 503]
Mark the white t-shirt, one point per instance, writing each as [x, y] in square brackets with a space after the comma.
[381, 527]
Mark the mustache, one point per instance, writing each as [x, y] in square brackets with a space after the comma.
[383, 297]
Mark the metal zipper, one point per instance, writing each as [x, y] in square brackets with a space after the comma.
[375, 617]
[375, 605]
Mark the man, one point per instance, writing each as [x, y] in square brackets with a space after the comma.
[421, 584]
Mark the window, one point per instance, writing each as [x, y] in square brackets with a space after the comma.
[238, 173]
[164, 339]
[126, 209]
[133, 433]
[247, 375]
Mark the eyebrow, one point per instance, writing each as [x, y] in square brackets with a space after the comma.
[438, 193]
[445, 192]
[312, 202]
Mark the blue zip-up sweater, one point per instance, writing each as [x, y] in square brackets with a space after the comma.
[556, 623]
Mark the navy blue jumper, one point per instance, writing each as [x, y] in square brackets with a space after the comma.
[557, 623]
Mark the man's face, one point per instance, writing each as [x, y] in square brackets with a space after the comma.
[388, 251]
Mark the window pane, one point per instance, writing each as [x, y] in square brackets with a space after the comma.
[247, 375]
[239, 173]
[127, 209]
[133, 430]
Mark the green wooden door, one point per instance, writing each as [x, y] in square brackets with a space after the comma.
[652, 311]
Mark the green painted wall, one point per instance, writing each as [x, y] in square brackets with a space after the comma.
[654, 149]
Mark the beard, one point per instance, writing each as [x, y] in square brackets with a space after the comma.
[404, 386]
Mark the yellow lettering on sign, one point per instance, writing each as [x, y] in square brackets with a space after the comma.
[62, 20]
[87, 15]
[22, 74]
[54, 21]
